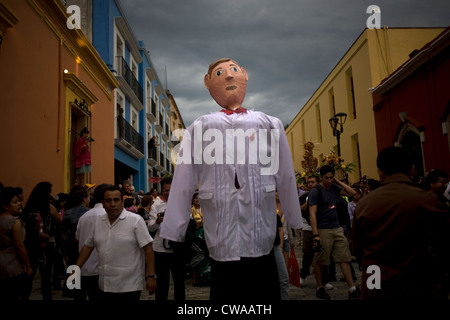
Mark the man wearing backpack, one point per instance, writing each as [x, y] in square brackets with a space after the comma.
[328, 235]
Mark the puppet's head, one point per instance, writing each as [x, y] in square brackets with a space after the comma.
[226, 82]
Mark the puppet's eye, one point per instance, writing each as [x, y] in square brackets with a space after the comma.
[218, 73]
[235, 69]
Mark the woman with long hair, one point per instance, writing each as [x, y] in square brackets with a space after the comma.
[14, 262]
[41, 222]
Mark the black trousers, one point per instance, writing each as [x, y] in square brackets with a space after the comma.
[89, 289]
[249, 279]
[308, 254]
[166, 263]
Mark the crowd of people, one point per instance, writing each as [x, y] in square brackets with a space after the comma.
[394, 223]
[233, 241]
[46, 234]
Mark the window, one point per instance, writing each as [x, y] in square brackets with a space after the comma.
[134, 118]
[134, 67]
[119, 49]
[446, 123]
[120, 114]
[318, 123]
[350, 93]
[291, 140]
[356, 155]
[411, 139]
[302, 127]
[148, 93]
[331, 102]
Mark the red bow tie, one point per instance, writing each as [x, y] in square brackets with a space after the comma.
[239, 110]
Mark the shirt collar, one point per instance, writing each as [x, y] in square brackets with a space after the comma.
[122, 216]
[397, 177]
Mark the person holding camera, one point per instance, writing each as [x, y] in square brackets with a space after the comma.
[328, 235]
[82, 156]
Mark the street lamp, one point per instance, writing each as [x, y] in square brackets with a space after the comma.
[339, 118]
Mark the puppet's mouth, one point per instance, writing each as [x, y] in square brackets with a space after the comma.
[231, 88]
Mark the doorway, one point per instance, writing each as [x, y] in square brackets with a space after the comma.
[411, 141]
[79, 120]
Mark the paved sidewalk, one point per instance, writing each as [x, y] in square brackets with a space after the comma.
[306, 292]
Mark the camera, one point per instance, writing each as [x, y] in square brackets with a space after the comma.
[317, 247]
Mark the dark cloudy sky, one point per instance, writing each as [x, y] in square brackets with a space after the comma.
[287, 46]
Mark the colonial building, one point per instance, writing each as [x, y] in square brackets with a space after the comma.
[346, 92]
[412, 106]
[142, 107]
[52, 84]
[177, 126]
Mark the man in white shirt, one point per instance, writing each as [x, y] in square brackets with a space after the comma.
[125, 254]
[167, 260]
[89, 271]
[237, 184]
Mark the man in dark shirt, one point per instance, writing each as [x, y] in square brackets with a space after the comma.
[327, 231]
[393, 230]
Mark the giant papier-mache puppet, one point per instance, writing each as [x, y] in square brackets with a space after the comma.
[238, 158]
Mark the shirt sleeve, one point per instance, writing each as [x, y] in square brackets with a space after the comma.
[153, 215]
[313, 197]
[177, 216]
[286, 182]
[142, 235]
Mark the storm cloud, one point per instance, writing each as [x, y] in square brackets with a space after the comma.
[288, 47]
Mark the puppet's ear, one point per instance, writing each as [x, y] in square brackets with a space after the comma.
[245, 73]
[206, 80]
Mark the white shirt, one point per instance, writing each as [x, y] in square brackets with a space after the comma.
[84, 229]
[158, 244]
[237, 222]
[120, 251]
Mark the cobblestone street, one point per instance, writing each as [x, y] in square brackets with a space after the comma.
[306, 292]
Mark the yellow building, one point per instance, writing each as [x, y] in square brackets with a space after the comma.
[177, 127]
[374, 55]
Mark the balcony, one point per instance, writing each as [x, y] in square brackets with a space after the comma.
[151, 110]
[128, 139]
[166, 134]
[152, 157]
[160, 124]
[160, 165]
[129, 83]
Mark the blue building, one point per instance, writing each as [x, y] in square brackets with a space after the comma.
[142, 107]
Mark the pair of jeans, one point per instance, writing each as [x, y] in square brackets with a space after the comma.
[282, 272]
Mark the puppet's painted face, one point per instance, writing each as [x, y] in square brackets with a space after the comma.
[227, 84]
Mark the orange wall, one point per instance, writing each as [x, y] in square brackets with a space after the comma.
[33, 104]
